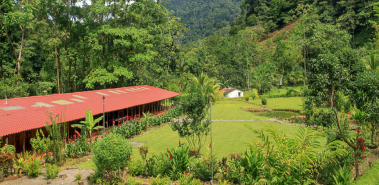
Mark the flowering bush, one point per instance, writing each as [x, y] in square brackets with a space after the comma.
[33, 166]
[201, 168]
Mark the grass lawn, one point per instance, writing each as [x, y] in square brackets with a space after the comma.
[230, 110]
[228, 136]
[369, 177]
[282, 103]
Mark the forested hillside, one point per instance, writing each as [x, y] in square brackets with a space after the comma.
[203, 17]
[61, 47]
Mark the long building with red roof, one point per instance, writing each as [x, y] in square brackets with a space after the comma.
[20, 117]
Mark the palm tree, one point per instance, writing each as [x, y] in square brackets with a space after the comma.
[262, 78]
[208, 86]
[371, 62]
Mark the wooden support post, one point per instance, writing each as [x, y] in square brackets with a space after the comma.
[6, 140]
[113, 119]
[139, 110]
[68, 130]
[23, 142]
[14, 141]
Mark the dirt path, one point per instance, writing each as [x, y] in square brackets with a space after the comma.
[64, 177]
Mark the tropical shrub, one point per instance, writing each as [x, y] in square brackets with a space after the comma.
[247, 98]
[343, 176]
[137, 167]
[264, 101]
[41, 143]
[159, 181]
[52, 171]
[33, 166]
[6, 160]
[179, 161]
[187, 179]
[78, 176]
[201, 168]
[111, 154]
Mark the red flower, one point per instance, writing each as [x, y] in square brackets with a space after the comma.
[226, 170]
[205, 160]
[78, 159]
[145, 155]
[229, 167]
[167, 149]
[170, 156]
[43, 164]
[343, 146]
[231, 157]
[179, 141]
[32, 166]
[74, 135]
[69, 139]
[64, 139]
[359, 129]
[208, 165]
[114, 122]
[364, 148]
[348, 112]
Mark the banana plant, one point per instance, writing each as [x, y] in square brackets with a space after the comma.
[89, 123]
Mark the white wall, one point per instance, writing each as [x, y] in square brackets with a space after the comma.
[234, 94]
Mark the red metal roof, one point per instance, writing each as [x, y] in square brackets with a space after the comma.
[227, 90]
[22, 114]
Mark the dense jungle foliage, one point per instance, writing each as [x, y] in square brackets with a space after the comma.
[82, 45]
[203, 17]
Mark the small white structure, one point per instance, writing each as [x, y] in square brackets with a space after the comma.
[231, 93]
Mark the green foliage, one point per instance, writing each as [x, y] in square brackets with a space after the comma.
[52, 171]
[41, 143]
[194, 127]
[188, 179]
[199, 20]
[111, 154]
[264, 101]
[263, 78]
[343, 176]
[159, 181]
[6, 160]
[89, 123]
[33, 167]
[78, 177]
[57, 133]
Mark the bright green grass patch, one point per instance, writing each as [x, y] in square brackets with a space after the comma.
[228, 137]
[370, 177]
[87, 165]
[282, 103]
[277, 114]
[231, 110]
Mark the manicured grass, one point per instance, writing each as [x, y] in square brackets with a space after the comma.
[228, 137]
[370, 177]
[277, 114]
[282, 103]
[230, 110]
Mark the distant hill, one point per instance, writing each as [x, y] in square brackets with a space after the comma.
[203, 17]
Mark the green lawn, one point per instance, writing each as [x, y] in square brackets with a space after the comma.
[370, 177]
[282, 103]
[230, 110]
[228, 136]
